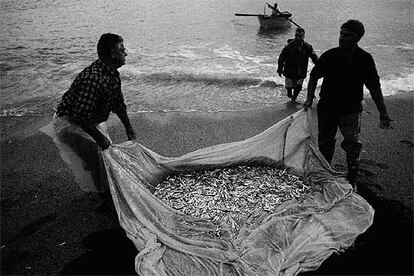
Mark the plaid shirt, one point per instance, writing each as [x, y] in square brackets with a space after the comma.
[93, 95]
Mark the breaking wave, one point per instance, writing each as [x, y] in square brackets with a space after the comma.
[176, 78]
[397, 84]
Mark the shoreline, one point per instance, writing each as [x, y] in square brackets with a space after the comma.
[47, 222]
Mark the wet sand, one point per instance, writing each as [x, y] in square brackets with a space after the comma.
[49, 226]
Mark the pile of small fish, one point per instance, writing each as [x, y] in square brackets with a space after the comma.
[228, 196]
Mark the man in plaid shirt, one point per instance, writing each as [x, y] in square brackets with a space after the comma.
[78, 127]
[96, 92]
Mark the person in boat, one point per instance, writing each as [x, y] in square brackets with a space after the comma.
[345, 70]
[293, 63]
[275, 11]
[78, 127]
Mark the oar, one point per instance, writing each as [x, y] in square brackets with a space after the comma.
[246, 14]
[270, 6]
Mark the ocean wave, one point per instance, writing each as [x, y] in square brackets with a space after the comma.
[203, 79]
[189, 111]
[403, 46]
[16, 48]
[231, 54]
[182, 92]
[17, 112]
[31, 106]
[392, 85]
[20, 112]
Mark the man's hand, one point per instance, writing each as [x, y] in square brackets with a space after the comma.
[96, 134]
[130, 132]
[385, 122]
[307, 104]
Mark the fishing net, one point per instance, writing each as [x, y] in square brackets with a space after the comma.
[281, 233]
[229, 196]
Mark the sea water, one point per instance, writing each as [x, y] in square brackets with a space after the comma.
[186, 55]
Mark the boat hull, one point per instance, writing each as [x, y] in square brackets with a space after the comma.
[269, 22]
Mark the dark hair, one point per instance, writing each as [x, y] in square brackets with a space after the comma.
[355, 26]
[300, 30]
[107, 43]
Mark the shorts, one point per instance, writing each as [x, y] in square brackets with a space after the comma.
[292, 83]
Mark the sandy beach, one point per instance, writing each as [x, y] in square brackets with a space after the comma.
[49, 226]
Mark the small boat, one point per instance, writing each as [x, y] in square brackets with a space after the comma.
[275, 22]
[279, 19]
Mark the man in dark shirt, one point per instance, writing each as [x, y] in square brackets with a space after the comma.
[345, 70]
[293, 63]
[78, 127]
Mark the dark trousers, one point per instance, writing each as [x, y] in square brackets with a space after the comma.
[349, 126]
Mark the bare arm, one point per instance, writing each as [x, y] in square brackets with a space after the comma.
[374, 86]
[377, 97]
[130, 132]
[121, 111]
[312, 83]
